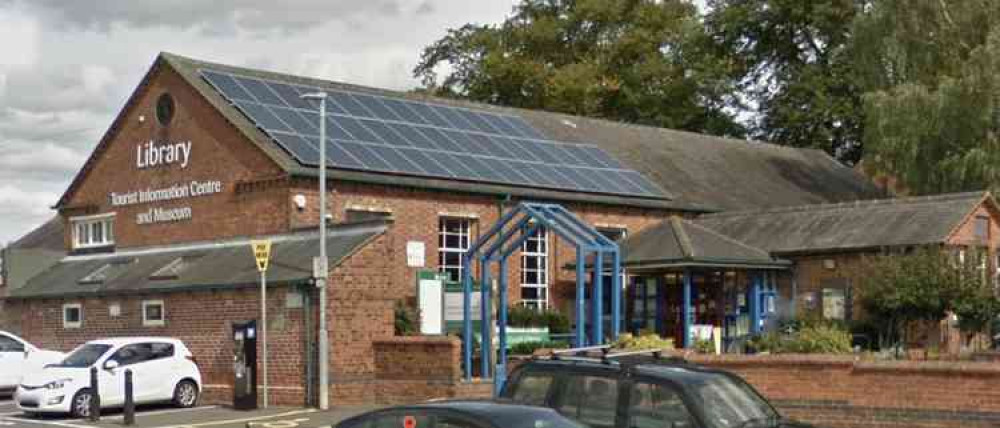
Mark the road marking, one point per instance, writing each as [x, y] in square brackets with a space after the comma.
[287, 423]
[236, 421]
[150, 413]
[52, 423]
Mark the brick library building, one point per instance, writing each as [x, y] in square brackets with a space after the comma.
[153, 235]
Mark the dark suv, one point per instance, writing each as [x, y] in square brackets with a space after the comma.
[641, 390]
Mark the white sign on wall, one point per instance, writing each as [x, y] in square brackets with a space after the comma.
[431, 306]
[415, 254]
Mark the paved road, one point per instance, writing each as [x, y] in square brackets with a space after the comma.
[199, 417]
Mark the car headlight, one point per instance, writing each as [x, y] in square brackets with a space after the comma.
[57, 384]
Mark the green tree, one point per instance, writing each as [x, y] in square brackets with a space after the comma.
[897, 290]
[794, 69]
[638, 61]
[929, 72]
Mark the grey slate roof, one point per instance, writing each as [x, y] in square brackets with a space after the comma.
[206, 266]
[849, 226]
[702, 173]
[681, 243]
[48, 236]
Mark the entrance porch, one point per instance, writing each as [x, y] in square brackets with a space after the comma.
[685, 280]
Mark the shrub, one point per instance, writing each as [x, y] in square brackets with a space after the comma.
[704, 347]
[810, 339]
[519, 316]
[645, 341]
[405, 325]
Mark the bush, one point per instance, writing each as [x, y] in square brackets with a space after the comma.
[704, 347]
[642, 342]
[810, 339]
[528, 348]
[519, 316]
[404, 325]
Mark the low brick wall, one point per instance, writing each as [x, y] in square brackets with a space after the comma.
[409, 369]
[842, 392]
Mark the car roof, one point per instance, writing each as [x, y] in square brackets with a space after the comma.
[119, 341]
[497, 412]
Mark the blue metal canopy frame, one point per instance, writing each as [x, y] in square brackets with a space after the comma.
[503, 240]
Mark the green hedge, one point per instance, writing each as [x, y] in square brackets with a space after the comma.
[810, 339]
[519, 316]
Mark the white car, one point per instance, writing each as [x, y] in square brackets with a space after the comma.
[18, 357]
[163, 370]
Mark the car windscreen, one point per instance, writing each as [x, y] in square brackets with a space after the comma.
[84, 356]
[729, 403]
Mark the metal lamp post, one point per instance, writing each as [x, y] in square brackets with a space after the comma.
[321, 265]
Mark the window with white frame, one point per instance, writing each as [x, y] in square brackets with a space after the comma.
[93, 231]
[153, 314]
[453, 243]
[72, 315]
[535, 270]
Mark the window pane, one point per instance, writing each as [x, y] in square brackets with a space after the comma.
[591, 400]
[72, 315]
[657, 406]
[154, 312]
[532, 389]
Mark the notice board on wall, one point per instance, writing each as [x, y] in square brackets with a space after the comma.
[430, 301]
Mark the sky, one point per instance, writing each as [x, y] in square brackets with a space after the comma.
[67, 67]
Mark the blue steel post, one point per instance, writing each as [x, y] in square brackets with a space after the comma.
[616, 295]
[485, 324]
[500, 375]
[687, 309]
[754, 303]
[581, 273]
[467, 315]
[596, 335]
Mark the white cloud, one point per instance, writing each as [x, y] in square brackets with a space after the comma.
[68, 66]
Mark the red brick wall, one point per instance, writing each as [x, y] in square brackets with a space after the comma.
[417, 368]
[416, 215]
[203, 320]
[219, 152]
[839, 392]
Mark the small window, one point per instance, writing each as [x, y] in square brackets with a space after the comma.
[657, 406]
[532, 388]
[592, 400]
[164, 109]
[72, 315]
[93, 231]
[153, 313]
[982, 228]
[453, 243]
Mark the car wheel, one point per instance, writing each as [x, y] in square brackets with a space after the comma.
[80, 407]
[185, 394]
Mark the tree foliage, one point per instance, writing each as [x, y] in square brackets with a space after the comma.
[897, 290]
[929, 72]
[794, 70]
[638, 61]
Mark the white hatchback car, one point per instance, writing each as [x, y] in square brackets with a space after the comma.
[18, 357]
[163, 370]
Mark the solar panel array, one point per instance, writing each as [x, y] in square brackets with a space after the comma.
[376, 133]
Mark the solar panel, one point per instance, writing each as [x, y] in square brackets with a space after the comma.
[377, 133]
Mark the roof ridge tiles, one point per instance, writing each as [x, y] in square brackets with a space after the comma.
[887, 202]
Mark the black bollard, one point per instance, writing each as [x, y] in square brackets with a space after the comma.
[95, 397]
[129, 399]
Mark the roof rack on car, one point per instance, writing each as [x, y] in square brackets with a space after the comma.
[580, 352]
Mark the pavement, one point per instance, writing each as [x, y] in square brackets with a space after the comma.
[158, 416]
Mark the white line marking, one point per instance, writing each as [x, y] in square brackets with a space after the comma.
[58, 424]
[151, 413]
[235, 421]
